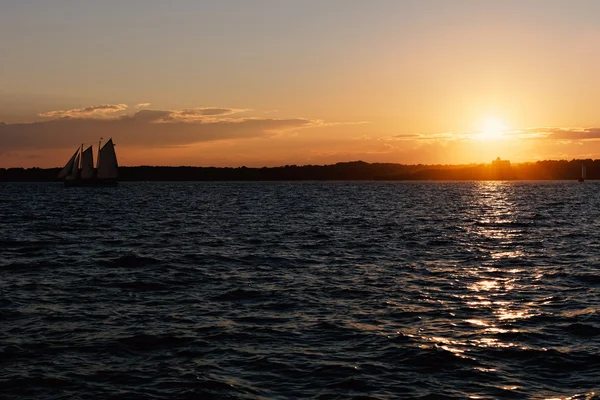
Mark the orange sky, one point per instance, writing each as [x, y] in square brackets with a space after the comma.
[300, 82]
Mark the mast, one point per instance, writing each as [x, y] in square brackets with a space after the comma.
[582, 179]
[98, 161]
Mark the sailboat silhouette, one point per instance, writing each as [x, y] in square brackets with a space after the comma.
[80, 171]
[583, 171]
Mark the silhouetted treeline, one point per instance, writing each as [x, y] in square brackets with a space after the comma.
[357, 170]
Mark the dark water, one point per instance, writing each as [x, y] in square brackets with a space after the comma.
[300, 290]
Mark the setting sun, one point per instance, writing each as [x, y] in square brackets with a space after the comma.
[492, 129]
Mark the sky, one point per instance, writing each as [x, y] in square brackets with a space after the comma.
[276, 82]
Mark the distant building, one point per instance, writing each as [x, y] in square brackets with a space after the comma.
[498, 163]
[501, 169]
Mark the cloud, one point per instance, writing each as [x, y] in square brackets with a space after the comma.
[214, 111]
[151, 115]
[94, 111]
[142, 105]
[563, 133]
[16, 154]
[204, 114]
[408, 136]
[424, 137]
[145, 128]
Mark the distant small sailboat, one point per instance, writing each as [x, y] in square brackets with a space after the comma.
[582, 173]
[80, 171]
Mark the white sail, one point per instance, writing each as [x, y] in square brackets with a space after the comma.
[108, 168]
[75, 168]
[87, 164]
[68, 167]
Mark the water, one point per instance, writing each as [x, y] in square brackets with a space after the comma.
[300, 290]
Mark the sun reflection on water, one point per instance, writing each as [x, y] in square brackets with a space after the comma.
[494, 283]
[504, 314]
[487, 292]
[586, 396]
[477, 322]
[485, 285]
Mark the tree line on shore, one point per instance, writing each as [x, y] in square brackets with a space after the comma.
[355, 170]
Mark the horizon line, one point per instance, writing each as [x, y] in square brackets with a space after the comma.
[339, 162]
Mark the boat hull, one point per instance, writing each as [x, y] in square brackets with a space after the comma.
[90, 182]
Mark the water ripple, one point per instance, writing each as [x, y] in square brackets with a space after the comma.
[364, 290]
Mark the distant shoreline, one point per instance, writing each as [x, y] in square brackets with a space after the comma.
[343, 171]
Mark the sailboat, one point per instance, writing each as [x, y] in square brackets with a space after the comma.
[582, 173]
[80, 171]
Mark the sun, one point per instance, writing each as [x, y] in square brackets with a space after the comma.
[492, 129]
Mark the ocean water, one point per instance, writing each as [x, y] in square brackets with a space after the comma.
[304, 290]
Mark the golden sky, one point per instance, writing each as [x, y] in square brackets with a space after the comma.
[272, 82]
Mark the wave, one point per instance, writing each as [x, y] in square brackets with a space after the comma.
[130, 261]
[312, 290]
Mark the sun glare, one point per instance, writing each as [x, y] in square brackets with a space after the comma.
[492, 128]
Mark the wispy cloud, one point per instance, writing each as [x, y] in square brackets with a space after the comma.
[425, 137]
[204, 114]
[142, 105]
[568, 134]
[105, 110]
[563, 135]
[145, 128]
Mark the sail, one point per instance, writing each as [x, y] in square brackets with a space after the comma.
[68, 167]
[583, 171]
[108, 168]
[87, 164]
[75, 168]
